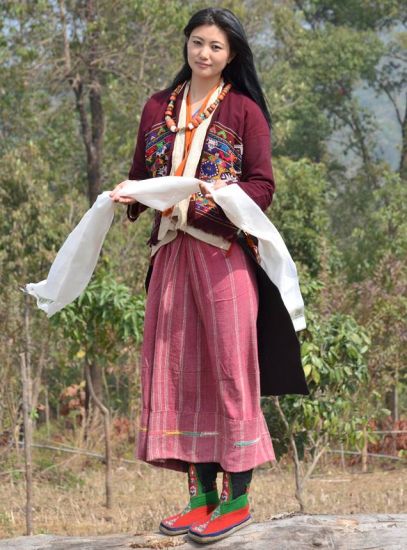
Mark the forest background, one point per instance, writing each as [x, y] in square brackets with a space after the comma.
[74, 76]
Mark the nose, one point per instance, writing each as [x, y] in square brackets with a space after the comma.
[204, 52]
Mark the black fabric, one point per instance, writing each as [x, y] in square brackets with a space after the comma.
[279, 352]
[240, 482]
[148, 276]
[207, 472]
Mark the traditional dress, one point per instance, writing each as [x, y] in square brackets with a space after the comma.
[199, 365]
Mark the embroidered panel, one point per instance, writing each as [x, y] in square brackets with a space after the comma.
[221, 155]
[159, 142]
[221, 159]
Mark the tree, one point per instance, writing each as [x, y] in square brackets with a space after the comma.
[299, 209]
[100, 326]
[99, 63]
[333, 353]
[31, 228]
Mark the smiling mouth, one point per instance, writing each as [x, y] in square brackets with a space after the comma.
[202, 64]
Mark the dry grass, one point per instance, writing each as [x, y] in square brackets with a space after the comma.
[69, 495]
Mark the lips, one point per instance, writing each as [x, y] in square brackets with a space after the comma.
[202, 65]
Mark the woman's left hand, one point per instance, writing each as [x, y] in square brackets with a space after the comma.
[206, 192]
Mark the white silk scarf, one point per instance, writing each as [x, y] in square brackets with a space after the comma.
[75, 262]
[180, 211]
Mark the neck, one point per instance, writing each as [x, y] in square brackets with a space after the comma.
[200, 87]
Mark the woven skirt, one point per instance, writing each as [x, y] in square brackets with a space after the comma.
[199, 365]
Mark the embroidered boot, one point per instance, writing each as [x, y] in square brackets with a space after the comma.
[203, 500]
[231, 514]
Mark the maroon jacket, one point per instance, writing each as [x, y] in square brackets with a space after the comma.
[236, 149]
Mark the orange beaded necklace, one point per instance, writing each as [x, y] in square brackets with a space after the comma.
[197, 119]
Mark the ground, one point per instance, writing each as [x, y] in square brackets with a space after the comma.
[69, 496]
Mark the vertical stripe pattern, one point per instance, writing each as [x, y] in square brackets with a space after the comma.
[200, 373]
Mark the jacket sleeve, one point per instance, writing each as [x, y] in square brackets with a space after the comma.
[257, 174]
[138, 170]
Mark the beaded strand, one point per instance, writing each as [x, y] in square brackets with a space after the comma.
[197, 119]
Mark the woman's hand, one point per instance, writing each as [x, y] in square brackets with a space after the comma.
[206, 192]
[114, 195]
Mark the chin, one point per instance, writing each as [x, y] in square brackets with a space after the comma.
[205, 73]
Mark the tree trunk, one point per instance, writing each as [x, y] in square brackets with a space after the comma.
[299, 485]
[25, 376]
[361, 140]
[285, 531]
[91, 124]
[403, 158]
[364, 451]
[27, 418]
[93, 416]
[106, 424]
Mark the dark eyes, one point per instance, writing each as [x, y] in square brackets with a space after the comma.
[215, 47]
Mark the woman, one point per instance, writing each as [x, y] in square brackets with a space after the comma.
[200, 374]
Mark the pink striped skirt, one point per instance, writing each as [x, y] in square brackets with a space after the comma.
[199, 369]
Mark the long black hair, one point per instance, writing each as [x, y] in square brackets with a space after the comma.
[240, 72]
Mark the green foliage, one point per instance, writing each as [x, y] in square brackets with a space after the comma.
[103, 320]
[48, 470]
[311, 79]
[381, 304]
[334, 352]
[385, 227]
[381, 231]
[104, 327]
[29, 235]
[299, 209]
[359, 14]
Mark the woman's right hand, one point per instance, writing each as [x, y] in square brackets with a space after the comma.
[114, 195]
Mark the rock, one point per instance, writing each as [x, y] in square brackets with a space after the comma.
[295, 532]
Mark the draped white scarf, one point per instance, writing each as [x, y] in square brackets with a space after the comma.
[75, 262]
[180, 211]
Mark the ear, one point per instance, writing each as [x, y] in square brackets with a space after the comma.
[231, 57]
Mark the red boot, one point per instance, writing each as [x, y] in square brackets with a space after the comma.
[228, 517]
[200, 506]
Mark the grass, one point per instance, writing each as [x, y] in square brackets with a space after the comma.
[69, 494]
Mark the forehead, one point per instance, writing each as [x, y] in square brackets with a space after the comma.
[211, 33]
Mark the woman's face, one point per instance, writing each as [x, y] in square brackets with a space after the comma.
[208, 51]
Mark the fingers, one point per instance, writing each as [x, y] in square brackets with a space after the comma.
[123, 200]
[116, 197]
[126, 200]
[114, 194]
[204, 190]
[219, 184]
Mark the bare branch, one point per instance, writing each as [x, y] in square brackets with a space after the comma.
[67, 49]
[394, 103]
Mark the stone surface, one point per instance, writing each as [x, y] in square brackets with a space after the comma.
[296, 532]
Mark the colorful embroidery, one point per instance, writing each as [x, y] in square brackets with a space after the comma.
[221, 154]
[203, 526]
[221, 160]
[192, 481]
[169, 522]
[227, 482]
[246, 443]
[178, 432]
[159, 142]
